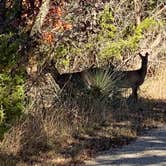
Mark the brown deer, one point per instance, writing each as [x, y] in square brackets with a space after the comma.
[134, 78]
[82, 78]
[124, 79]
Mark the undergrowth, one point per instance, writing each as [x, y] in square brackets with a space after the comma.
[82, 124]
[11, 84]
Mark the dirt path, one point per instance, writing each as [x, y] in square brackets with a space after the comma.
[147, 150]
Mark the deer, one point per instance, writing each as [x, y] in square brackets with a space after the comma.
[124, 79]
[80, 77]
[84, 77]
[134, 78]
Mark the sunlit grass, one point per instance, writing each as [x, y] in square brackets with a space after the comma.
[155, 87]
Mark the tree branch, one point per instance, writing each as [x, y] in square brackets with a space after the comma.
[40, 17]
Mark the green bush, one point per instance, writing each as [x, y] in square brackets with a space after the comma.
[9, 50]
[11, 99]
[11, 86]
[114, 42]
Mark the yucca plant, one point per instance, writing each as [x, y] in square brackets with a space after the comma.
[102, 83]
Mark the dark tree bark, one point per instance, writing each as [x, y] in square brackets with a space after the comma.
[2, 14]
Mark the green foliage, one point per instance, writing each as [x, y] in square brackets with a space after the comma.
[108, 29]
[145, 25]
[11, 87]
[11, 99]
[64, 53]
[9, 50]
[61, 51]
[109, 37]
[115, 43]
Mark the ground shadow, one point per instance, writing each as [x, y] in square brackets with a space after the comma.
[143, 116]
[148, 149]
[34, 139]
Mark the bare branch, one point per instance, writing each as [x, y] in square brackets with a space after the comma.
[138, 7]
[40, 17]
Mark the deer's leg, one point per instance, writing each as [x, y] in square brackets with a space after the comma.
[134, 93]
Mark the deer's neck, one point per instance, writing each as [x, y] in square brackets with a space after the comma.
[143, 68]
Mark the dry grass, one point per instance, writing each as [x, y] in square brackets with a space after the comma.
[155, 87]
[79, 127]
[35, 135]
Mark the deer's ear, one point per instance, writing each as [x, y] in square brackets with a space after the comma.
[146, 54]
[141, 56]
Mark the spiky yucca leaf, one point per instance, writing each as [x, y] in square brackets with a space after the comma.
[102, 81]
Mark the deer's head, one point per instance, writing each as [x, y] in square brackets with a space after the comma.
[144, 58]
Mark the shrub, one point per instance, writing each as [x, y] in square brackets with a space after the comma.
[11, 99]
[115, 42]
[9, 48]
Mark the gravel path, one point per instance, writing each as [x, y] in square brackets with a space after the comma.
[147, 150]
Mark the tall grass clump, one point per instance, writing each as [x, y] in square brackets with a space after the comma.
[40, 132]
[158, 81]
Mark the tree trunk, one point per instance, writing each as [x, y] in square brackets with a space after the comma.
[138, 8]
[2, 14]
[40, 17]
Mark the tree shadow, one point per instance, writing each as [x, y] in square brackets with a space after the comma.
[148, 149]
[139, 153]
[144, 161]
[34, 139]
[145, 115]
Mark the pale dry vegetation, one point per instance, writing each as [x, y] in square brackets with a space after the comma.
[155, 86]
